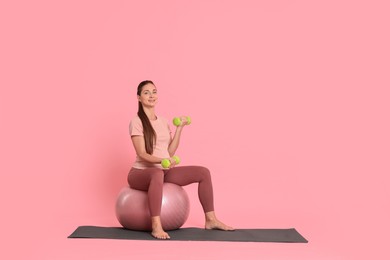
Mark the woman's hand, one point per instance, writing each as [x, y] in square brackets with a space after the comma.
[173, 162]
[185, 120]
[169, 163]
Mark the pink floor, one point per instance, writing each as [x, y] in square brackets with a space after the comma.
[326, 241]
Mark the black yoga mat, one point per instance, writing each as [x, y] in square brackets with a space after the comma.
[194, 234]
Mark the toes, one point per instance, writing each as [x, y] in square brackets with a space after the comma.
[161, 236]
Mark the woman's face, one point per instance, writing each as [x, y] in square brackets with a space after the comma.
[148, 97]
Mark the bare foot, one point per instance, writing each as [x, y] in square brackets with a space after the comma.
[213, 223]
[216, 224]
[157, 230]
[159, 233]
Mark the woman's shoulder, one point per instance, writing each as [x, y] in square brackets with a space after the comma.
[135, 121]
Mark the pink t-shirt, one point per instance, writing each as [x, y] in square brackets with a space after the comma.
[163, 136]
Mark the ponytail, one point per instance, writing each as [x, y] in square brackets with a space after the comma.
[149, 133]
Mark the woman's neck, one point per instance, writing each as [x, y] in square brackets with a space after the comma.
[149, 111]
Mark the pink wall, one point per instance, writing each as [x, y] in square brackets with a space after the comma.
[289, 102]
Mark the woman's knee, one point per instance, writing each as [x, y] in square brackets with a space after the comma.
[204, 172]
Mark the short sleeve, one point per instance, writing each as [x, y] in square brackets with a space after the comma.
[135, 127]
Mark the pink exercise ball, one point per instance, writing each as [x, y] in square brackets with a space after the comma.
[132, 208]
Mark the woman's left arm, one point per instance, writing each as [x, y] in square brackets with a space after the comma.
[175, 141]
[176, 138]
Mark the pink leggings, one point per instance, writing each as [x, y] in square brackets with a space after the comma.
[152, 180]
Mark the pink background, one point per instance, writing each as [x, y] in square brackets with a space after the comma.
[290, 108]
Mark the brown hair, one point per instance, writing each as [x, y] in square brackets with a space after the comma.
[149, 133]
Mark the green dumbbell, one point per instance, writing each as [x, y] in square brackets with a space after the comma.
[177, 121]
[165, 163]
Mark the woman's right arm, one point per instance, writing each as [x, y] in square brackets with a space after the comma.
[139, 146]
